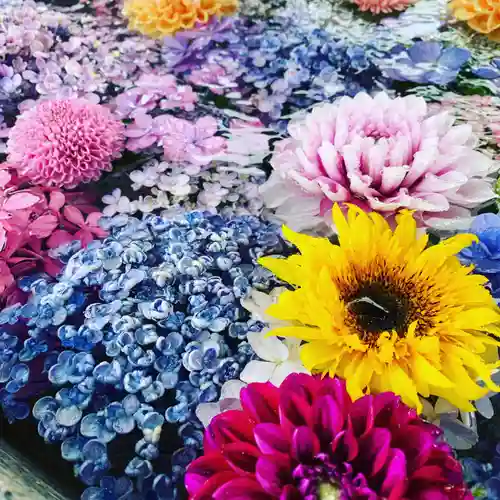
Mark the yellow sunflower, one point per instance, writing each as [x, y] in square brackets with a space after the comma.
[387, 313]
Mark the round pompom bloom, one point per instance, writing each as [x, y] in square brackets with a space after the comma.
[160, 18]
[383, 6]
[481, 15]
[308, 440]
[383, 155]
[65, 142]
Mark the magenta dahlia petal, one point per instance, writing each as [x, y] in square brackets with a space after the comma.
[271, 439]
[259, 400]
[305, 445]
[241, 489]
[64, 142]
[241, 457]
[308, 440]
[383, 155]
[206, 466]
[273, 473]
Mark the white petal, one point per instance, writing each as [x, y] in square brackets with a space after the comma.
[230, 404]
[456, 218]
[257, 371]
[231, 389]
[206, 412]
[268, 348]
[284, 369]
[476, 191]
[484, 407]
[392, 178]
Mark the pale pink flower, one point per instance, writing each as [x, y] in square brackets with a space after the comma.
[383, 155]
[192, 142]
[64, 142]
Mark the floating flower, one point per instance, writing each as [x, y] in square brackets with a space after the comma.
[382, 6]
[481, 15]
[307, 439]
[388, 314]
[64, 142]
[484, 254]
[159, 18]
[383, 155]
[191, 142]
[425, 62]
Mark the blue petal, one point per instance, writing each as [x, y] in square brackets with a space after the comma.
[454, 57]
[486, 72]
[424, 52]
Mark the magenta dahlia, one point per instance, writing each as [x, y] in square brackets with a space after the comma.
[65, 142]
[308, 440]
[383, 155]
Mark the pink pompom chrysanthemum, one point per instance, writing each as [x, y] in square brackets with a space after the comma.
[65, 142]
[382, 155]
[382, 6]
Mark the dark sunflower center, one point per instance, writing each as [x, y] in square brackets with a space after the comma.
[379, 309]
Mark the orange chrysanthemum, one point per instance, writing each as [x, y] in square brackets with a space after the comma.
[481, 15]
[159, 18]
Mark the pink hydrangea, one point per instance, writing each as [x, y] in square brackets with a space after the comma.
[34, 220]
[152, 91]
[63, 143]
[383, 155]
[194, 143]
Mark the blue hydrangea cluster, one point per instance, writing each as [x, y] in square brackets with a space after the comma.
[482, 463]
[141, 327]
[284, 67]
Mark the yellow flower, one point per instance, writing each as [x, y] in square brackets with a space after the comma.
[480, 15]
[160, 18]
[387, 313]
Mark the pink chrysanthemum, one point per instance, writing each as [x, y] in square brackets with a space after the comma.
[383, 155]
[64, 142]
[308, 440]
[382, 6]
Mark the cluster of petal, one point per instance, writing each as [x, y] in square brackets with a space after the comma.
[308, 438]
[481, 15]
[159, 18]
[34, 220]
[65, 142]
[383, 155]
[443, 345]
[382, 6]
